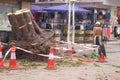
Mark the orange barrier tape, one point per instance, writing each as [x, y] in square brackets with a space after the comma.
[37, 54]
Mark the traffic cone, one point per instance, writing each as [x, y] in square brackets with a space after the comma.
[69, 51]
[101, 58]
[1, 57]
[51, 64]
[12, 64]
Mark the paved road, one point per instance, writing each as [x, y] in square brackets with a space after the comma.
[113, 46]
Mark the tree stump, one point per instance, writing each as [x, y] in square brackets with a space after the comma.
[27, 34]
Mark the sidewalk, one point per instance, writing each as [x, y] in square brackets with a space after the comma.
[113, 40]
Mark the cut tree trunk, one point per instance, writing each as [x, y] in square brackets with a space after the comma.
[27, 34]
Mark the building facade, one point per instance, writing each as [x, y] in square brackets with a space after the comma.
[111, 5]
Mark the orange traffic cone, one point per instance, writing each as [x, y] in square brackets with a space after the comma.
[101, 58]
[1, 57]
[12, 64]
[69, 52]
[51, 64]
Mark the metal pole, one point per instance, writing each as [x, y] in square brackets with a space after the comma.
[73, 21]
[95, 15]
[69, 20]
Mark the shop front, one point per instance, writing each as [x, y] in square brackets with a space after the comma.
[57, 17]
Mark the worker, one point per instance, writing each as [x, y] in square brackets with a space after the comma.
[98, 38]
[97, 33]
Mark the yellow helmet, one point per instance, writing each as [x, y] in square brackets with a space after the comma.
[98, 23]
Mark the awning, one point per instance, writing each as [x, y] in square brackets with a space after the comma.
[36, 8]
[65, 8]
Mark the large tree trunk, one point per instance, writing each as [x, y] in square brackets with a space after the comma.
[27, 34]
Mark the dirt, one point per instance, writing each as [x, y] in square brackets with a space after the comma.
[30, 70]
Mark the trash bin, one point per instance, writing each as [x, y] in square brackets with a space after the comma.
[65, 33]
[79, 36]
[88, 36]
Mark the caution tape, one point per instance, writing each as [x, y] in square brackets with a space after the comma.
[28, 52]
[58, 48]
[6, 55]
[86, 46]
[24, 50]
[4, 43]
[79, 44]
[64, 42]
[48, 56]
[37, 54]
[61, 48]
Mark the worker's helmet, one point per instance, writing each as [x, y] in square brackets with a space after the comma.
[97, 23]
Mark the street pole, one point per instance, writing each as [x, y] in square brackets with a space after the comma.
[69, 20]
[73, 21]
